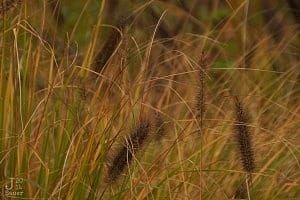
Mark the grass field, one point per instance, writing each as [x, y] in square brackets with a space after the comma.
[149, 99]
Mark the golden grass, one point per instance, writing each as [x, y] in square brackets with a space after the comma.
[63, 122]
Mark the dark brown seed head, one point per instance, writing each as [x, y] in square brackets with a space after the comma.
[111, 44]
[124, 156]
[201, 94]
[241, 192]
[243, 136]
[107, 51]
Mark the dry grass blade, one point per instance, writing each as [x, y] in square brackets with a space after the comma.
[163, 30]
[57, 12]
[159, 126]
[275, 25]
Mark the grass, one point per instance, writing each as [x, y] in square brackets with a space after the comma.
[133, 100]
